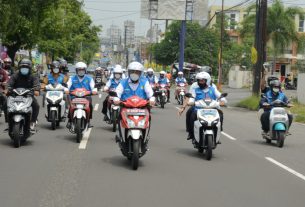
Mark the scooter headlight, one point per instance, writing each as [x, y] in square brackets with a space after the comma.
[141, 123]
[203, 122]
[130, 123]
[79, 106]
[215, 122]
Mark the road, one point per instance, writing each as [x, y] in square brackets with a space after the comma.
[52, 171]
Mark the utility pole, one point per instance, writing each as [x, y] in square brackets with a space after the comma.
[150, 41]
[260, 44]
[221, 47]
[125, 45]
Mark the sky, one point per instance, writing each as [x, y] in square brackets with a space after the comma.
[107, 12]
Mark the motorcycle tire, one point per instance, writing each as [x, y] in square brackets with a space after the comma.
[114, 120]
[78, 130]
[16, 134]
[268, 141]
[180, 100]
[58, 123]
[209, 147]
[280, 138]
[135, 154]
[53, 119]
[162, 102]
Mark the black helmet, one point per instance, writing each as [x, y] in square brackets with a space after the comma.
[271, 78]
[63, 63]
[25, 63]
[55, 64]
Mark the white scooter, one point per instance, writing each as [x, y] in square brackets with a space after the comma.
[279, 122]
[55, 104]
[207, 127]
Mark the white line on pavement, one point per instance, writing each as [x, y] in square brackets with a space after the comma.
[177, 108]
[83, 143]
[96, 107]
[100, 95]
[286, 168]
[230, 137]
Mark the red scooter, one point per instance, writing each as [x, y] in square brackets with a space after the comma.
[134, 127]
[79, 112]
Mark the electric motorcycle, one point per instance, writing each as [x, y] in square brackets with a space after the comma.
[112, 113]
[180, 93]
[161, 95]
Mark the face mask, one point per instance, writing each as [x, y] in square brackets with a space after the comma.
[275, 90]
[162, 76]
[134, 77]
[150, 74]
[24, 71]
[56, 70]
[81, 73]
[117, 76]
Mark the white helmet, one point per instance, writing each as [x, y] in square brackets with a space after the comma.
[162, 72]
[180, 73]
[118, 69]
[204, 75]
[150, 70]
[135, 66]
[81, 65]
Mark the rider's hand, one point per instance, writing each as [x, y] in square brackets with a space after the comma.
[265, 104]
[94, 92]
[36, 93]
[181, 110]
[152, 103]
[116, 101]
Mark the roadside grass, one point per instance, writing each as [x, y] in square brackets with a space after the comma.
[250, 103]
[298, 110]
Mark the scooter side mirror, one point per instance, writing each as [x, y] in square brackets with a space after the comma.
[188, 95]
[224, 94]
[113, 93]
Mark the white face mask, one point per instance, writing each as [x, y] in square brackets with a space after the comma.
[117, 76]
[275, 90]
[24, 71]
[81, 73]
[134, 77]
[56, 70]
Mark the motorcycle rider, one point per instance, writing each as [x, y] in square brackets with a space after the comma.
[204, 90]
[151, 77]
[180, 79]
[3, 83]
[24, 79]
[264, 88]
[273, 94]
[81, 80]
[7, 65]
[135, 84]
[163, 80]
[117, 66]
[112, 85]
[56, 77]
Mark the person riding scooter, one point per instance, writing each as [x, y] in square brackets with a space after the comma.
[81, 80]
[111, 85]
[163, 80]
[180, 80]
[203, 91]
[273, 94]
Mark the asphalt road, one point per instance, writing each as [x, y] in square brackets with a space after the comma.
[51, 170]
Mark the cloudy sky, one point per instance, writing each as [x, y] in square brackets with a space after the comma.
[107, 12]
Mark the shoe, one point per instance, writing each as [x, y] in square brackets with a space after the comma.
[33, 127]
[264, 133]
[89, 125]
[5, 130]
[106, 118]
[69, 125]
[189, 137]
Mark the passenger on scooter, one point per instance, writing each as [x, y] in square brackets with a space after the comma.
[135, 84]
[204, 90]
[56, 77]
[273, 94]
[24, 79]
[180, 79]
[163, 80]
[81, 80]
[111, 85]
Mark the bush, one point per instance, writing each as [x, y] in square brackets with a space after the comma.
[251, 103]
[299, 111]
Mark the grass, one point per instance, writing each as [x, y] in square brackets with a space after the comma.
[250, 103]
[299, 111]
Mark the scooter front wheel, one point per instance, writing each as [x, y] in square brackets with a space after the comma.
[280, 138]
[135, 154]
[16, 134]
[209, 147]
[78, 130]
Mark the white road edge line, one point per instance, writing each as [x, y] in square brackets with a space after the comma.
[83, 143]
[286, 168]
[100, 95]
[177, 108]
[228, 136]
[96, 107]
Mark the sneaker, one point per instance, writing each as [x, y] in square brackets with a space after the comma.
[264, 133]
[106, 118]
[189, 137]
[33, 127]
[69, 125]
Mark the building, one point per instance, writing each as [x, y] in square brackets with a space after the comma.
[129, 28]
[114, 33]
[153, 34]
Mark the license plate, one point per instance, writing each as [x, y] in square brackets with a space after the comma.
[54, 93]
[19, 98]
[138, 112]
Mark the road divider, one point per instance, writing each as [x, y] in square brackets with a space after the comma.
[83, 143]
[286, 168]
[228, 136]
[96, 107]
